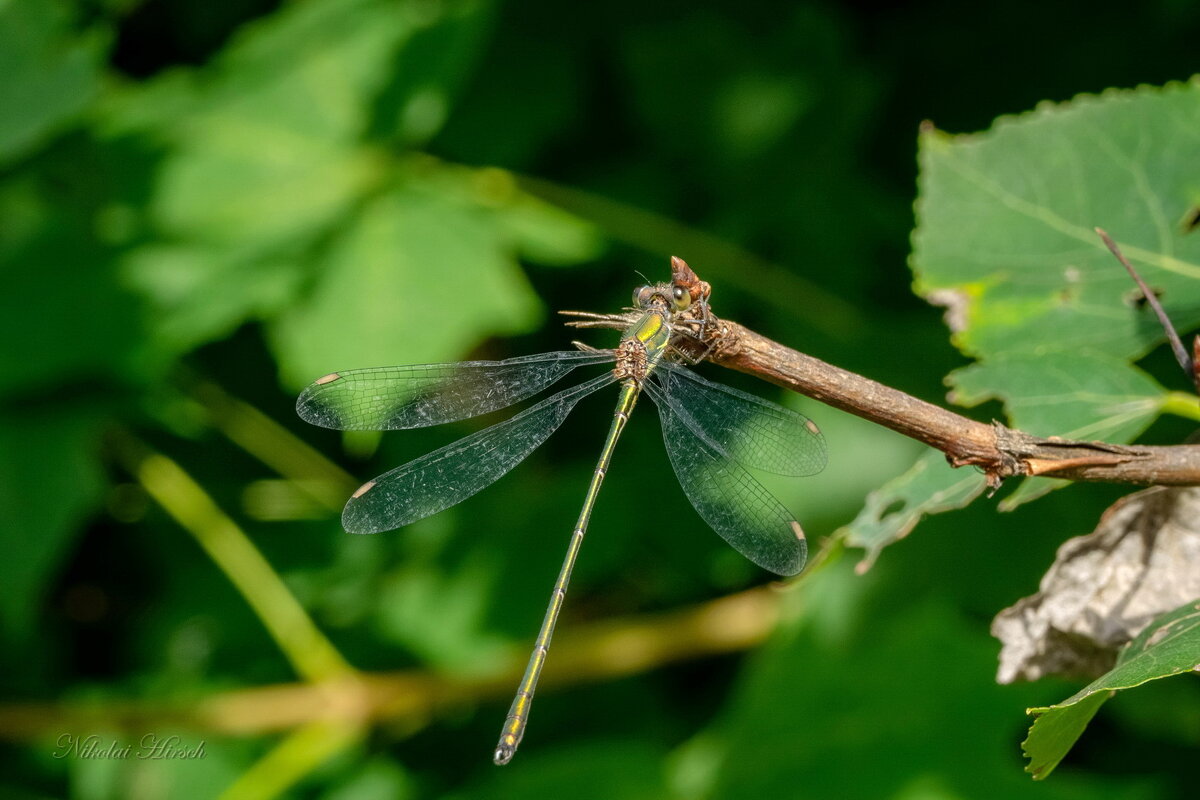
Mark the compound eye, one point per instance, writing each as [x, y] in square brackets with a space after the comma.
[642, 295]
[681, 297]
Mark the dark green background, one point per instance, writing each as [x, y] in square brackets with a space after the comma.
[772, 145]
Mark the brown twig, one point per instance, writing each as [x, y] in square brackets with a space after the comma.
[1181, 354]
[999, 451]
[604, 650]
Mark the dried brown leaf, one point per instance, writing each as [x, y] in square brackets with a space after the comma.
[1142, 560]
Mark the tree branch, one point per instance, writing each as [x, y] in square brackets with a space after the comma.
[589, 653]
[999, 451]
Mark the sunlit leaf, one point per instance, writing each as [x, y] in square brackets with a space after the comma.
[200, 293]
[546, 234]
[264, 143]
[1074, 395]
[1006, 218]
[535, 229]
[268, 151]
[418, 278]
[1005, 240]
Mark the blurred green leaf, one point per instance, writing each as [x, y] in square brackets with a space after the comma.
[99, 778]
[61, 312]
[268, 156]
[537, 230]
[930, 486]
[51, 73]
[378, 779]
[52, 480]
[202, 293]
[419, 277]
[875, 710]
[442, 617]
[1168, 646]
[604, 770]
[264, 143]
[546, 234]
[262, 151]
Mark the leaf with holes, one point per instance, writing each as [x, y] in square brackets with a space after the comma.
[1005, 241]
[1006, 223]
[930, 486]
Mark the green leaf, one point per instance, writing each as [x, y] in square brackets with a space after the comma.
[376, 779]
[930, 486]
[1005, 240]
[441, 617]
[50, 73]
[201, 293]
[546, 234]
[1052, 735]
[206, 776]
[419, 277]
[51, 482]
[906, 710]
[1075, 395]
[264, 143]
[1006, 219]
[1168, 646]
[61, 312]
[267, 152]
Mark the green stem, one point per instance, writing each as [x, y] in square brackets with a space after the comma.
[293, 759]
[614, 648]
[312, 655]
[275, 446]
[1182, 404]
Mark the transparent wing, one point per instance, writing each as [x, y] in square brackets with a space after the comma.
[420, 395]
[728, 498]
[445, 477]
[756, 432]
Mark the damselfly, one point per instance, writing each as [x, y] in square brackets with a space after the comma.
[710, 431]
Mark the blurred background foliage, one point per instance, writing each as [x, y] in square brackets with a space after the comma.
[205, 205]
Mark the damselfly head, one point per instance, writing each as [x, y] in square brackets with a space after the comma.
[656, 294]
